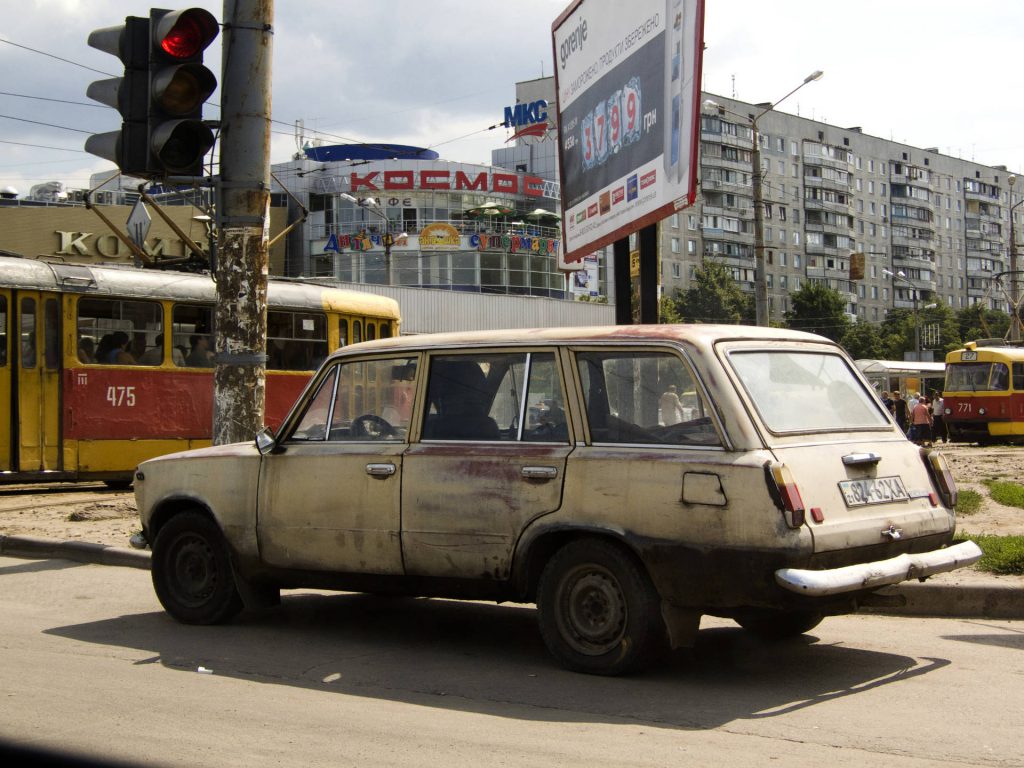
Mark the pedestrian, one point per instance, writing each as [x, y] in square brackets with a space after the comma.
[921, 423]
[887, 401]
[938, 417]
[900, 410]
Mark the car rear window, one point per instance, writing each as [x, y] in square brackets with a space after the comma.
[806, 391]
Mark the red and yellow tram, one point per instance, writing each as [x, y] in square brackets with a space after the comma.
[984, 394]
[102, 367]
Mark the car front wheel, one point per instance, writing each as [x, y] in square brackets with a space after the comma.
[191, 571]
[598, 611]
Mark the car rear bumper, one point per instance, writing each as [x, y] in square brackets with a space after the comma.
[851, 578]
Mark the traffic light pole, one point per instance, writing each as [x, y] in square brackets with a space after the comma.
[243, 197]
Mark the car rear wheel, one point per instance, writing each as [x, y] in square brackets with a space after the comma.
[778, 625]
[191, 571]
[598, 610]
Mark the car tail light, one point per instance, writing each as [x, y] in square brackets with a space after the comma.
[786, 494]
[942, 478]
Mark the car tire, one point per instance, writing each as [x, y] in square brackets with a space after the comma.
[779, 625]
[191, 570]
[598, 611]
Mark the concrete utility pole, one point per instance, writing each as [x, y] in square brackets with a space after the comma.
[1014, 289]
[243, 213]
[756, 177]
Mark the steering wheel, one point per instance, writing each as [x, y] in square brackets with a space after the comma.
[373, 426]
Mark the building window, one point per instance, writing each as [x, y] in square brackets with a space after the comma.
[675, 245]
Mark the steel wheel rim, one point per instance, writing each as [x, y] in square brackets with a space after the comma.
[194, 567]
[592, 613]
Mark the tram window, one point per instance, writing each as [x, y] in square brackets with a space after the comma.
[342, 333]
[357, 331]
[28, 333]
[3, 331]
[385, 330]
[371, 331]
[119, 331]
[51, 334]
[296, 341]
[192, 335]
[1000, 377]
[1018, 377]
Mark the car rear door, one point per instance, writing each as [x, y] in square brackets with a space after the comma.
[491, 458]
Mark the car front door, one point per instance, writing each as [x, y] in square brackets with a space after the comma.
[491, 458]
[330, 494]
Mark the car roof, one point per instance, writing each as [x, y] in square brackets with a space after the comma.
[701, 335]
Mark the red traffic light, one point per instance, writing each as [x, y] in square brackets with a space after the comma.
[185, 34]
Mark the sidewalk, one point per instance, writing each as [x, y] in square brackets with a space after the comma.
[966, 593]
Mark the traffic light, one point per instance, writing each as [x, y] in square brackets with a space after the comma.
[129, 95]
[179, 84]
[161, 95]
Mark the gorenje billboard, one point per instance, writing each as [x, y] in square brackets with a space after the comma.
[627, 78]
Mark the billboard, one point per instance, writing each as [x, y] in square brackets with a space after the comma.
[627, 78]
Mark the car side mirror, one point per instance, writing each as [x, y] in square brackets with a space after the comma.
[265, 441]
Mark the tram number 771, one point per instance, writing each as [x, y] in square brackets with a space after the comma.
[121, 397]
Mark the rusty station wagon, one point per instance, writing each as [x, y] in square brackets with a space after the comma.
[627, 480]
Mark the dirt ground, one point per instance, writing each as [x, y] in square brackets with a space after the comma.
[93, 513]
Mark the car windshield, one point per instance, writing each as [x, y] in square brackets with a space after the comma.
[806, 391]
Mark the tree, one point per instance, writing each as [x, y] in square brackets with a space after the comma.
[863, 341]
[714, 297]
[668, 309]
[977, 322]
[818, 309]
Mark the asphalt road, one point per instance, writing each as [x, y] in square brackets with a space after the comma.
[92, 666]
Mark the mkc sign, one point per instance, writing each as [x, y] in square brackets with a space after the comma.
[530, 118]
[508, 183]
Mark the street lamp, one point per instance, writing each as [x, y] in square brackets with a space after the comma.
[1014, 296]
[371, 204]
[760, 276]
[917, 325]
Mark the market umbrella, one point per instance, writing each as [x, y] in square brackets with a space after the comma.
[539, 213]
[490, 209]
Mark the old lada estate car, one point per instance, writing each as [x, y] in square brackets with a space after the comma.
[628, 480]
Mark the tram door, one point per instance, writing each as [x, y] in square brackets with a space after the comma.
[6, 402]
[37, 359]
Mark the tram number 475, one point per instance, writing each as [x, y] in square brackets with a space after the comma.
[121, 397]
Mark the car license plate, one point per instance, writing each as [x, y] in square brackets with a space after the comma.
[875, 490]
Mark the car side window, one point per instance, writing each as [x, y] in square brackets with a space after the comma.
[500, 396]
[643, 397]
[361, 400]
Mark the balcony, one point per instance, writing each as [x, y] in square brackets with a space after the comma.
[823, 183]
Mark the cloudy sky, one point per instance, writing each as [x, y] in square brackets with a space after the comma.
[930, 73]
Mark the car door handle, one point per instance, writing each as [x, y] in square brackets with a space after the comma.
[380, 470]
[540, 473]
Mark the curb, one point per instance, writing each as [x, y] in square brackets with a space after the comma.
[36, 548]
[991, 601]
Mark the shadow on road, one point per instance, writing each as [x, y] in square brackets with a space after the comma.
[489, 659]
